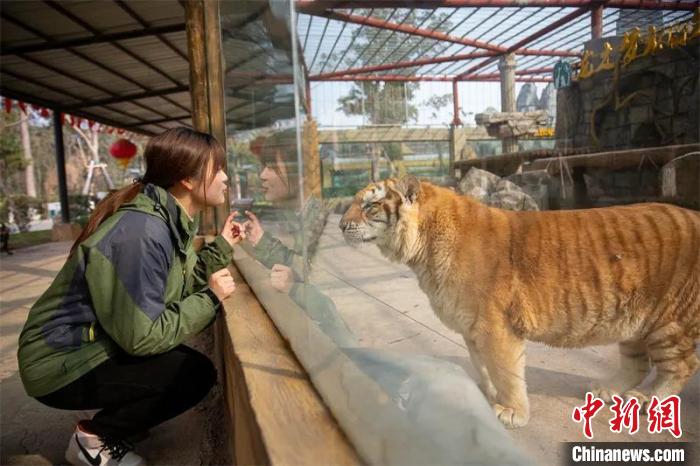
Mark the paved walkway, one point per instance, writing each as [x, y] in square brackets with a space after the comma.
[33, 434]
[385, 308]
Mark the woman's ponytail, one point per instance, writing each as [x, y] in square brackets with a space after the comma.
[107, 207]
[173, 155]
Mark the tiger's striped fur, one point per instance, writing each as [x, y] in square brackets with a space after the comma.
[576, 278]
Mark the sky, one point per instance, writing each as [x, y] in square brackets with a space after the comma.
[474, 97]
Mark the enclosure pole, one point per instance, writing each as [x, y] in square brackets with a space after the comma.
[206, 86]
[455, 102]
[61, 166]
[307, 83]
[506, 66]
[597, 22]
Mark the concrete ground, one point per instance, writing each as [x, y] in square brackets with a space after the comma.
[385, 308]
[34, 434]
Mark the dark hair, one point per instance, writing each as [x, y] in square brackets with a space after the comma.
[171, 156]
[282, 145]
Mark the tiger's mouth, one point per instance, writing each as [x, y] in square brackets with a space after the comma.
[355, 237]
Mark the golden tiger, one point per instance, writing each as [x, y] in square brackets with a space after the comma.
[572, 278]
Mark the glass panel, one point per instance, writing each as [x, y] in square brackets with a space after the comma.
[396, 407]
[378, 337]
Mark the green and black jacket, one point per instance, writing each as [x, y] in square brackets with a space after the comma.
[135, 285]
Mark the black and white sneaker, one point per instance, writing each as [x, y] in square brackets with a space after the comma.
[86, 449]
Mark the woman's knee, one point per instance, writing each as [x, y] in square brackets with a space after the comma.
[198, 371]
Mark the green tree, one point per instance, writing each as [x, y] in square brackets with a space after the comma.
[436, 103]
[11, 155]
[387, 102]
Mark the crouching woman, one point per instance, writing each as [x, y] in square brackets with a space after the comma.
[108, 332]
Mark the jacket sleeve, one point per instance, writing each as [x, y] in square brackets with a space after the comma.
[270, 251]
[211, 258]
[127, 278]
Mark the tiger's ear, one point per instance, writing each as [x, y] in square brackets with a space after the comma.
[409, 188]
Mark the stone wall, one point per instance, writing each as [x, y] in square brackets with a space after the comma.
[653, 102]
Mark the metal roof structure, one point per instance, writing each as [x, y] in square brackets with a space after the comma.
[119, 63]
[125, 64]
[459, 40]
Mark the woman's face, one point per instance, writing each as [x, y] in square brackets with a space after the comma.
[275, 186]
[214, 193]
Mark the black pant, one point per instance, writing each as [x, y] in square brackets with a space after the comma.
[137, 393]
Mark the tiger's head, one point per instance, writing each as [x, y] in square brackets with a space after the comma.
[384, 213]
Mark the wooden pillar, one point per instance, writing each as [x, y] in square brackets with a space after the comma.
[206, 86]
[506, 67]
[61, 166]
[312, 159]
[308, 96]
[597, 22]
[455, 104]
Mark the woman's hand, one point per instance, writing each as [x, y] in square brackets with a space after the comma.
[222, 284]
[233, 232]
[281, 278]
[253, 229]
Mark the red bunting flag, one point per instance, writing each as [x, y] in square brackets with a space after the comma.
[7, 104]
[90, 124]
[44, 112]
[22, 106]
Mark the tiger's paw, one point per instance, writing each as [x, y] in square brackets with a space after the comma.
[643, 398]
[511, 418]
[603, 391]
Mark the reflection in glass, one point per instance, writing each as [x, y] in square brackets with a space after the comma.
[394, 406]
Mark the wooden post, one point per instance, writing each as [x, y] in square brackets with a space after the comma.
[206, 86]
[455, 104]
[597, 22]
[312, 159]
[506, 67]
[61, 166]
[194, 13]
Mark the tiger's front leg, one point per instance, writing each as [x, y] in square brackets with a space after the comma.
[503, 353]
[485, 384]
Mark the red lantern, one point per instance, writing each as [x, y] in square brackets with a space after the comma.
[123, 150]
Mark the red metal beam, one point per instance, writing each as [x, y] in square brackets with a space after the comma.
[534, 71]
[408, 29]
[405, 64]
[430, 34]
[491, 77]
[513, 48]
[411, 63]
[314, 7]
[517, 73]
